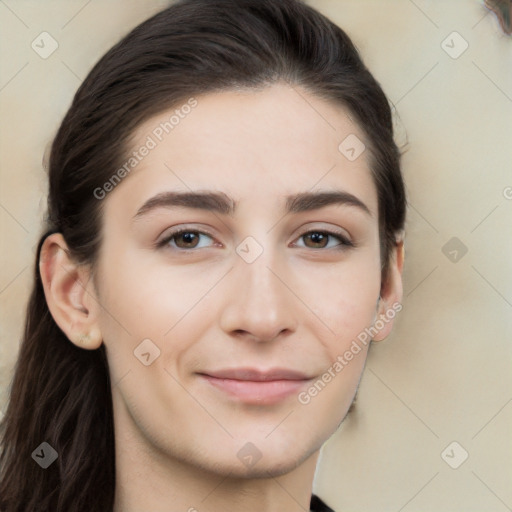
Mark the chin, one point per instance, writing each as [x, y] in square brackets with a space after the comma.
[261, 469]
[274, 463]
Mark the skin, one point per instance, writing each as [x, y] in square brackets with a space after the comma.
[299, 305]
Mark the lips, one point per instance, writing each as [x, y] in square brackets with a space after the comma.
[256, 375]
[254, 386]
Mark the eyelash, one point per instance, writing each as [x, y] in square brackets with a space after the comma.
[344, 242]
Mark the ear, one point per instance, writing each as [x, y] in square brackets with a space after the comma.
[70, 293]
[391, 293]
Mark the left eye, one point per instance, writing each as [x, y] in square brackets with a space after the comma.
[320, 239]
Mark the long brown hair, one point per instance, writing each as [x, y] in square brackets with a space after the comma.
[61, 394]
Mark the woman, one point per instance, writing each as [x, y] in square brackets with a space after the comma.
[224, 237]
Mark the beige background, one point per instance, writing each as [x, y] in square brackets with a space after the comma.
[445, 373]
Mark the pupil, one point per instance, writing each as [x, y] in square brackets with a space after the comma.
[188, 237]
[317, 238]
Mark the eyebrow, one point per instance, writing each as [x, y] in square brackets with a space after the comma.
[221, 203]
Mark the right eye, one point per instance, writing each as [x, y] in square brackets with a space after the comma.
[184, 239]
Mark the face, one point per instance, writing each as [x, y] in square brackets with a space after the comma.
[220, 313]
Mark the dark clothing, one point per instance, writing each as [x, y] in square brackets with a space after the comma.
[317, 505]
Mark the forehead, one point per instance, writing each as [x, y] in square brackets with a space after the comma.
[254, 145]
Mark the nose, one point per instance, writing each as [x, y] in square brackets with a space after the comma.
[259, 305]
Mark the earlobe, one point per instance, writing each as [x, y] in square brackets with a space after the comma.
[69, 293]
[391, 293]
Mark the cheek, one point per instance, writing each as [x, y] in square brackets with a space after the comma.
[144, 301]
[148, 295]
[343, 297]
